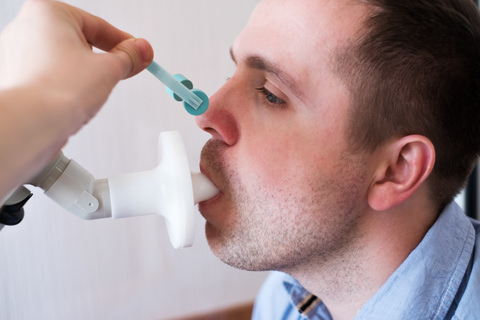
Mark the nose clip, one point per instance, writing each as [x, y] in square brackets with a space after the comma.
[195, 101]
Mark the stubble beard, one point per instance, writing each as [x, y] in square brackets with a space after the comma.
[280, 228]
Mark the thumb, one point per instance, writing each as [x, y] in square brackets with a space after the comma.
[134, 55]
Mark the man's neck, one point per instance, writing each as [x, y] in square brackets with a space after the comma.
[345, 282]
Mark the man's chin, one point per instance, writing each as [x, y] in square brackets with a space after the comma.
[232, 255]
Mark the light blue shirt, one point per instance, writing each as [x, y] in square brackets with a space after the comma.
[440, 279]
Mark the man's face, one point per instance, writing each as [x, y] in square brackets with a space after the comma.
[291, 192]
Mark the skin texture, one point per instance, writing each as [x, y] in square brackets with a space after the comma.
[294, 197]
[284, 168]
[51, 83]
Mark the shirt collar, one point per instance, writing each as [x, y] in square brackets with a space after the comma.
[307, 304]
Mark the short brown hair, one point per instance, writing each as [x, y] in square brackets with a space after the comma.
[415, 69]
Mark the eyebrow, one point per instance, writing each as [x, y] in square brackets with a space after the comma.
[260, 63]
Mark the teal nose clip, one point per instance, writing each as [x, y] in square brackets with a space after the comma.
[181, 89]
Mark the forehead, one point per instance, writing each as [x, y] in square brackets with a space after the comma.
[325, 23]
[300, 35]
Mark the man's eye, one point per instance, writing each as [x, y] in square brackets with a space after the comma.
[270, 97]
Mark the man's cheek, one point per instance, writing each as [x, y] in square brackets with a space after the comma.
[264, 165]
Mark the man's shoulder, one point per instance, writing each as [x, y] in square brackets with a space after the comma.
[469, 304]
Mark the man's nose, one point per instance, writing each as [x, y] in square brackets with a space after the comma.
[220, 120]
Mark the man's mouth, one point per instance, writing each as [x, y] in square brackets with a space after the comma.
[206, 173]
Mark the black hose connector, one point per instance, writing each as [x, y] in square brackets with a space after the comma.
[12, 214]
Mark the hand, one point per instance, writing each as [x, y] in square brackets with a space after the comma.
[49, 45]
[52, 83]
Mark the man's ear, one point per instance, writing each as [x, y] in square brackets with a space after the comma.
[403, 166]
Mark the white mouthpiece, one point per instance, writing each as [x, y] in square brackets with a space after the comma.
[169, 190]
[203, 188]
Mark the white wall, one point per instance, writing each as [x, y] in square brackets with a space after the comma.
[57, 266]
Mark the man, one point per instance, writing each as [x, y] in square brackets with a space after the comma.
[338, 145]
